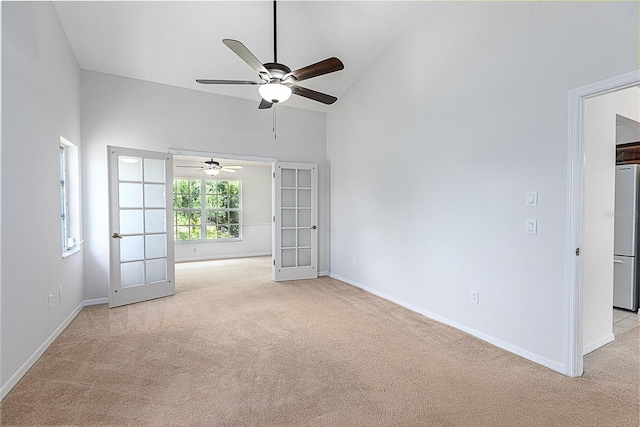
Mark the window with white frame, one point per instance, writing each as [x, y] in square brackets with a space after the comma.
[207, 209]
[69, 198]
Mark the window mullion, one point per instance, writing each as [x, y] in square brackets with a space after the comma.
[203, 210]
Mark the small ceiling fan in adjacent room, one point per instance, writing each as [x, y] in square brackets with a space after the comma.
[277, 81]
[212, 168]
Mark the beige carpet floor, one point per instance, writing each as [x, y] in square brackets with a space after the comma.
[232, 348]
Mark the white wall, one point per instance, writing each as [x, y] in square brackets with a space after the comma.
[433, 150]
[41, 102]
[132, 113]
[1, 138]
[599, 205]
[256, 216]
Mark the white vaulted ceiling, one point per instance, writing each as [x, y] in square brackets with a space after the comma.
[175, 43]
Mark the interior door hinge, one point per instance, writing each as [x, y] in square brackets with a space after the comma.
[577, 251]
[274, 262]
[274, 218]
[274, 174]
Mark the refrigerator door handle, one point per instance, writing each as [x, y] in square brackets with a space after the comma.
[617, 261]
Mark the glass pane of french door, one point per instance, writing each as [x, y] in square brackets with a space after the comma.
[141, 256]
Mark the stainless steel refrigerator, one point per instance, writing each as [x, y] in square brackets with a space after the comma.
[625, 271]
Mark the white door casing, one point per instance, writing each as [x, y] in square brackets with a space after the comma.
[573, 365]
[295, 218]
[141, 255]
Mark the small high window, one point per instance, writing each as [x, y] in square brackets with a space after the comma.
[69, 198]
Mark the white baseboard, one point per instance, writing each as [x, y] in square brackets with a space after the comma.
[9, 385]
[211, 258]
[558, 367]
[105, 300]
[596, 344]
[96, 301]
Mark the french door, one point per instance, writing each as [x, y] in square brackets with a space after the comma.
[295, 215]
[141, 255]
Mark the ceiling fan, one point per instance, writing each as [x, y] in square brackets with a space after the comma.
[211, 167]
[277, 81]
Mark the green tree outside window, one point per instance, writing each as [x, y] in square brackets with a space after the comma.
[206, 209]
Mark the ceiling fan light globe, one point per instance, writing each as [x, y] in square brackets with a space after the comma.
[212, 172]
[274, 92]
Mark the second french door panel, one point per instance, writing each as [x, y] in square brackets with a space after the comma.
[295, 235]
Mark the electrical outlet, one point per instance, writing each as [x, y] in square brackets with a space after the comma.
[475, 297]
[60, 293]
[50, 301]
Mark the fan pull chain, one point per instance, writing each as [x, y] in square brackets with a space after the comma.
[275, 121]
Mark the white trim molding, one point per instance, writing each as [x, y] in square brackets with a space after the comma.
[1, 145]
[96, 301]
[11, 383]
[224, 156]
[225, 256]
[558, 367]
[574, 352]
[593, 345]
[15, 379]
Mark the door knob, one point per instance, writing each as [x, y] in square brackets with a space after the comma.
[116, 236]
[314, 227]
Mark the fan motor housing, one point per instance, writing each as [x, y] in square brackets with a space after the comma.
[277, 70]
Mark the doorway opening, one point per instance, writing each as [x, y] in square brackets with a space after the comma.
[180, 202]
[225, 225]
[222, 206]
[579, 169]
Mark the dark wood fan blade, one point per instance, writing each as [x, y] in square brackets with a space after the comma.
[248, 57]
[312, 94]
[264, 104]
[227, 82]
[314, 70]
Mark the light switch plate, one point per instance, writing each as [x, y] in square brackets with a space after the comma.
[531, 199]
[531, 226]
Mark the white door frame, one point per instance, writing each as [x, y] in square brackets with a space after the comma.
[274, 162]
[225, 156]
[575, 207]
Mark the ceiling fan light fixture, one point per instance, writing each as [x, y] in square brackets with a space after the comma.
[274, 92]
[212, 172]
